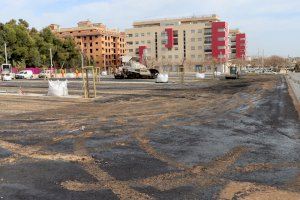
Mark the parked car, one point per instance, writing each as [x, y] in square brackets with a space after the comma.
[24, 74]
[269, 72]
[45, 74]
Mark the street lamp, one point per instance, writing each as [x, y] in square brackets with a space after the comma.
[5, 50]
[51, 63]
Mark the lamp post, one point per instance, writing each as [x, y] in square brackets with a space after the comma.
[51, 63]
[5, 50]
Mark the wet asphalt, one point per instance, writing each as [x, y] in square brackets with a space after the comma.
[259, 119]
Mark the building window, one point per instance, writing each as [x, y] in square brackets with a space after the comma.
[176, 56]
[143, 42]
[199, 47]
[129, 35]
[91, 44]
[199, 39]
[175, 41]
[192, 47]
[91, 50]
[199, 31]
[193, 31]
[148, 33]
[142, 34]
[175, 33]
[136, 35]
[193, 56]
[149, 42]
[170, 56]
[193, 39]
[136, 42]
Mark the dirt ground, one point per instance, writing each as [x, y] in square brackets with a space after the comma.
[235, 139]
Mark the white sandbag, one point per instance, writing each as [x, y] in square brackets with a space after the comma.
[200, 75]
[58, 88]
[162, 78]
[104, 73]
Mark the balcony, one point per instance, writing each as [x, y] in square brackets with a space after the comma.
[207, 33]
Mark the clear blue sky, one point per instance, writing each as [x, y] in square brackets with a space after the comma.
[272, 25]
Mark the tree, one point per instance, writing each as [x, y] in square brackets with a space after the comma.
[275, 61]
[29, 47]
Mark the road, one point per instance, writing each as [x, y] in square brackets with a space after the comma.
[236, 139]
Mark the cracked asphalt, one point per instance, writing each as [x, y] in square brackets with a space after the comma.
[227, 139]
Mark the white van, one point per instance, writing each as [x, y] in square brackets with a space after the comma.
[24, 74]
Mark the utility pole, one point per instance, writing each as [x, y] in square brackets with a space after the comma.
[5, 50]
[263, 58]
[82, 61]
[104, 58]
[51, 63]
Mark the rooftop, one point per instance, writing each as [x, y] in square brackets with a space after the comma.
[83, 26]
[184, 20]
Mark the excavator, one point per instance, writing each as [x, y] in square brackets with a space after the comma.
[233, 73]
[132, 69]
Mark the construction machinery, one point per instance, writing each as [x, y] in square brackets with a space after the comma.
[233, 73]
[132, 69]
[7, 72]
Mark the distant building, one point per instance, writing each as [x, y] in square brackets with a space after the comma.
[101, 45]
[238, 44]
[174, 41]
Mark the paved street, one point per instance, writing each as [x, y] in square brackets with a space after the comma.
[228, 139]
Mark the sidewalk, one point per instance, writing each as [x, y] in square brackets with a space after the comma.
[294, 81]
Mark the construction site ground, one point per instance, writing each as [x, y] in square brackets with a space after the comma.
[210, 139]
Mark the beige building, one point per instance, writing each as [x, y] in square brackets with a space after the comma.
[102, 47]
[172, 41]
[192, 41]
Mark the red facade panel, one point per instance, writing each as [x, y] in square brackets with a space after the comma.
[220, 41]
[141, 53]
[240, 46]
[170, 42]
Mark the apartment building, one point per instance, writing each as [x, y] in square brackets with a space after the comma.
[238, 44]
[103, 47]
[192, 40]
